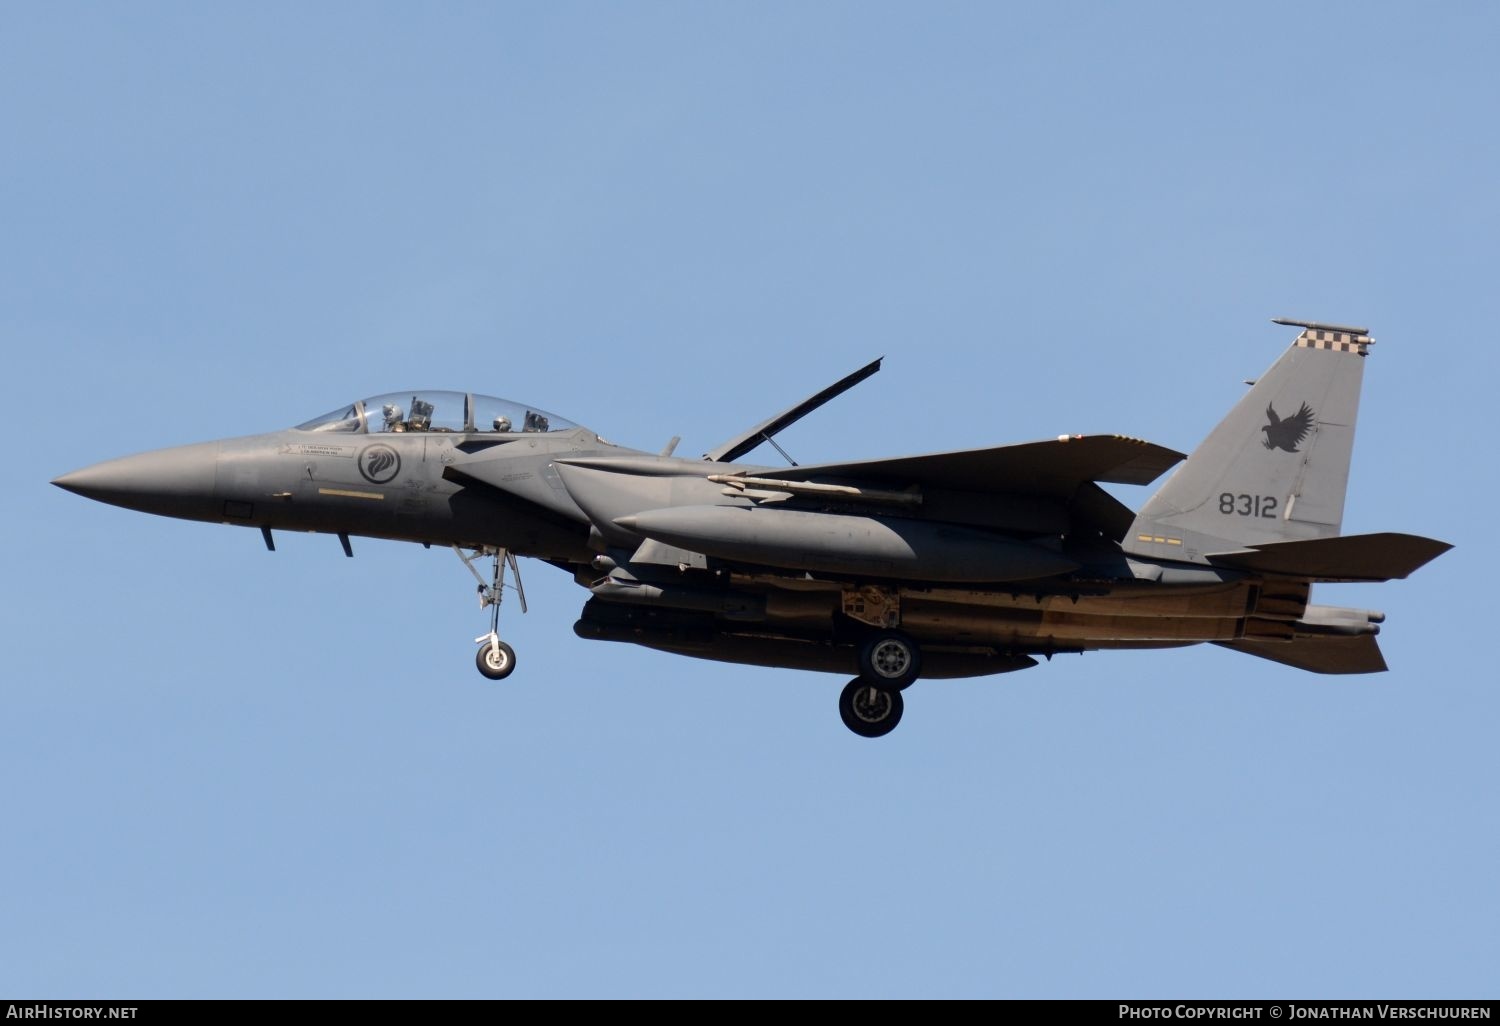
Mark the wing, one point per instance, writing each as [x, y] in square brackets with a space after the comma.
[1053, 468]
[1271, 413]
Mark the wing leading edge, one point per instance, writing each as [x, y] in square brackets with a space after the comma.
[1055, 467]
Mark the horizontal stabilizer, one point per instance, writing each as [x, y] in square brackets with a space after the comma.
[1353, 557]
[1055, 467]
[1329, 654]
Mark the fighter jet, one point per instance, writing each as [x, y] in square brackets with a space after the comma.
[949, 564]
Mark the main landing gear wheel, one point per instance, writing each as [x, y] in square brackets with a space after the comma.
[891, 660]
[869, 709]
[495, 659]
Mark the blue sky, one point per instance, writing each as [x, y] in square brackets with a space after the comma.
[236, 774]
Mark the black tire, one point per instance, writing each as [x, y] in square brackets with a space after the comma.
[496, 661]
[890, 659]
[870, 710]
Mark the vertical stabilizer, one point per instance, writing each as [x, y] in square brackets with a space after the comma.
[1276, 468]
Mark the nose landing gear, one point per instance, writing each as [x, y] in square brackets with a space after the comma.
[495, 659]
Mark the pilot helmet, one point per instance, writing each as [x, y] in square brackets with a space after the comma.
[392, 414]
[502, 423]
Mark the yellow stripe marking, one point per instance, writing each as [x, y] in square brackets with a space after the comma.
[350, 495]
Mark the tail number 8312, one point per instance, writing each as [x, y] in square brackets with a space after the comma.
[1247, 505]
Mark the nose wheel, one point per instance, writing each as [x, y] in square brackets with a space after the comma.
[495, 659]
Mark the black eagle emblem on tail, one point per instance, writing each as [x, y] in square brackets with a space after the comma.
[1287, 434]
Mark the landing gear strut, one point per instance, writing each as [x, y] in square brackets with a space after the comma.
[870, 710]
[495, 659]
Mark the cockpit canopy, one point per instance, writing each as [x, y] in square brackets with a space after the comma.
[436, 411]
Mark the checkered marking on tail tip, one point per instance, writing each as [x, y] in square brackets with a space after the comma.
[1338, 341]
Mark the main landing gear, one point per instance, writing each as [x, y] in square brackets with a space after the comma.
[890, 659]
[495, 659]
[869, 709]
[871, 704]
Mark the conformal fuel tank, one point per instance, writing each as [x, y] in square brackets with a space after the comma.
[895, 547]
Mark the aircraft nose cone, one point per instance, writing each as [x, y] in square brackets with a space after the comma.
[177, 482]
